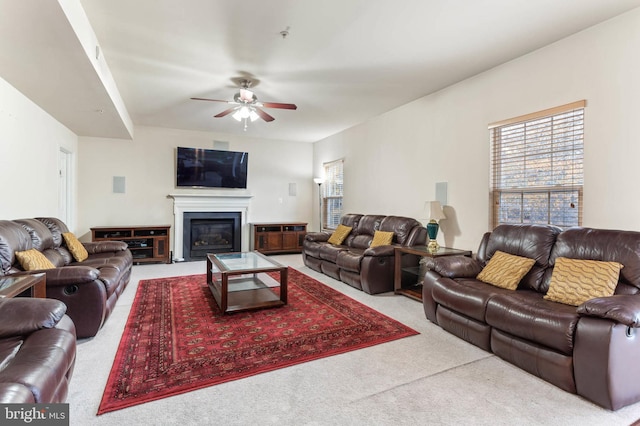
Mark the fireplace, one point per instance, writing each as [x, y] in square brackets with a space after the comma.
[210, 232]
[205, 203]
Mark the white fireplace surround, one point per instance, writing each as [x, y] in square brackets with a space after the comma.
[208, 203]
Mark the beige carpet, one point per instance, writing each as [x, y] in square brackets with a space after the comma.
[433, 378]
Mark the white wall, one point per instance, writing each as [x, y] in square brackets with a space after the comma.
[393, 161]
[30, 140]
[148, 164]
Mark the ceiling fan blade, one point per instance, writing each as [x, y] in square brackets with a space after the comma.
[225, 112]
[213, 100]
[278, 105]
[266, 117]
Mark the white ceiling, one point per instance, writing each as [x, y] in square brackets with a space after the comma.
[343, 62]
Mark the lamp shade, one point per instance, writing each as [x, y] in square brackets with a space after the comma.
[318, 180]
[433, 209]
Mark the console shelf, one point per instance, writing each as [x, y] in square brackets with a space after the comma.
[147, 243]
[281, 237]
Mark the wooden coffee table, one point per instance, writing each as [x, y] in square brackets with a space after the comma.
[239, 281]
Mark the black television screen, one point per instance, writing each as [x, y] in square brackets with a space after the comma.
[211, 168]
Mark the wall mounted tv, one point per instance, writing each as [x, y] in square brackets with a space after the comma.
[209, 168]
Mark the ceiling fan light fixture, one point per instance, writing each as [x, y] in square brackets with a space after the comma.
[247, 108]
[245, 112]
[246, 95]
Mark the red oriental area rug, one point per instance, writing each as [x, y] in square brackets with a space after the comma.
[176, 340]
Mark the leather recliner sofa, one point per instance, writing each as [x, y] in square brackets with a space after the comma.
[89, 288]
[592, 350]
[37, 351]
[366, 268]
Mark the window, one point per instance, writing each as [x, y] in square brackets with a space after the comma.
[536, 167]
[332, 199]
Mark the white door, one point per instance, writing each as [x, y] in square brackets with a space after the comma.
[64, 187]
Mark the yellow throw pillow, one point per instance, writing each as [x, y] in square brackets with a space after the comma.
[505, 270]
[75, 247]
[339, 235]
[381, 238]
[574, 281]
[33, 260]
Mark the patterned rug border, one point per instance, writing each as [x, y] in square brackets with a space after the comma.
[108, 404]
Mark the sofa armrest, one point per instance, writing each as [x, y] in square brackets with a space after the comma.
[15, 393]
[318, 237]
[454, 266]
[25, 315]
[380, 251]
[624, 309]
[67, 275]
[105, 246]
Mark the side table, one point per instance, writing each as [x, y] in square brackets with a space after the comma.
[12, 286]
[414, 290]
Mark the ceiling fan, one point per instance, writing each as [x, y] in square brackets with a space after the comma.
[247, 106]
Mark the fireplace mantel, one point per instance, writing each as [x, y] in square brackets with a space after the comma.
[208, 203]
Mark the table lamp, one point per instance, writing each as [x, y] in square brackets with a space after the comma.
[434, 213]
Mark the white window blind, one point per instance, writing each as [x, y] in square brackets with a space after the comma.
[537, 167]
[333, 192]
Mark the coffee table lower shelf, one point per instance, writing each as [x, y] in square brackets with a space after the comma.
[256, 297]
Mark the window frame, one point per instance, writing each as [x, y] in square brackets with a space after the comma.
[545, 139]
[332, 194]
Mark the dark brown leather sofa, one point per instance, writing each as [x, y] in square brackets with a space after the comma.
[366, 268]
[592, 350]
[90, 288]
[37, 351]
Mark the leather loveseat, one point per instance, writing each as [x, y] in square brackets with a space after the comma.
[591, 349]
[37, 351]
[89, 288]
[366, 268]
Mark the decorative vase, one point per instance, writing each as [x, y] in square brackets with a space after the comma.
[432, 232]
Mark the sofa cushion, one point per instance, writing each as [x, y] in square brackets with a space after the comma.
[312, 248]
[601, 244]
[75, 247]
[351, 220]
[525, 314]
[339, 235]
[367, 226]
[41, 237]
[381, 238]
[350, 260]
[13, 237]
[466, 295]
[532, 241]
[33, 260]
[400, 226]
[505, 270]
[57, 228]
[330, 252]
[362, 241]
[574, 281]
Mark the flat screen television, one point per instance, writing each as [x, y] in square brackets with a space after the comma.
[209, 168]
